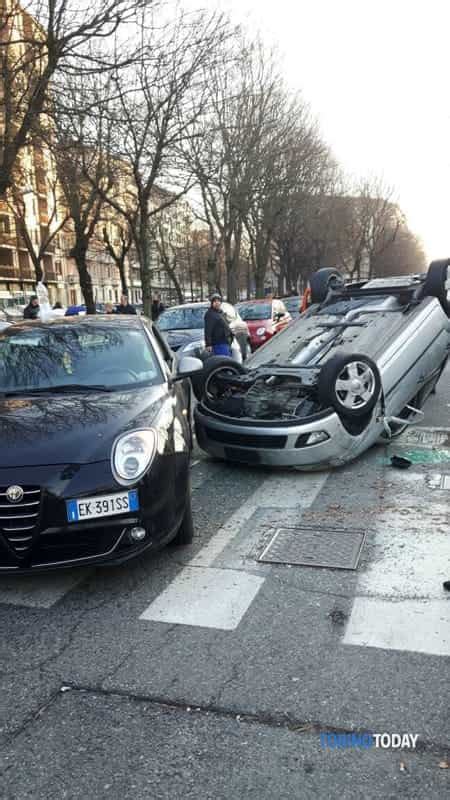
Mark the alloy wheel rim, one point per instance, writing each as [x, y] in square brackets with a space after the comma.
[355, 385]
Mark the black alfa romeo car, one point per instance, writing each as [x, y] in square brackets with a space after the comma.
[95, 442]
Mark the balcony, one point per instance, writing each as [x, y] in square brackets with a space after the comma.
[7, 272]
[7, 239]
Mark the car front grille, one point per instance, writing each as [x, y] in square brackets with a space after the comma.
[247, 439]
[19, 521]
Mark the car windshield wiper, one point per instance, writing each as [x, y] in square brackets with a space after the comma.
[66, 388]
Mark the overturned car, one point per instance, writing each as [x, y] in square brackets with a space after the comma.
[355, 368]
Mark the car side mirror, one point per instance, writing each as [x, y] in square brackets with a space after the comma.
[187, 366]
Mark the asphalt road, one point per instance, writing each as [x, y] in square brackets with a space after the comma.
[204, 673]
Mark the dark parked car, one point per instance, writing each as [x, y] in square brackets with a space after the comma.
[183, 327]
[355, 368]
[95, 442]
[264, 318]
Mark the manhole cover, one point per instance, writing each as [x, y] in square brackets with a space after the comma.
[305, 546]
[425, 437]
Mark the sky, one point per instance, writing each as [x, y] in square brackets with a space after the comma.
[376, 75]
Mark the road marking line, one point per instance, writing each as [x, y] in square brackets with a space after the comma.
[208, 597]
[416, 625]
[400, 604]
[39, 591]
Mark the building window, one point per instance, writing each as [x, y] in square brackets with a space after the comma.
[6, 257]
[4, 224]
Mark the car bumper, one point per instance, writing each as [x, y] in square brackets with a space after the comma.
[57, 544]
[283, 446]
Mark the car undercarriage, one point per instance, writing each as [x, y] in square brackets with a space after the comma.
[364, 356]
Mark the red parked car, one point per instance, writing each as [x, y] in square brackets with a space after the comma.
[264, 319]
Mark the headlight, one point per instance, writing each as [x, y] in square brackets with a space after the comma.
[132, 455]
[192, 346]
[260, 331]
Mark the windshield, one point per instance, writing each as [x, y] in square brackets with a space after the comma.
[183, 318]
[43, 358]
[292, 303]
[255, 311]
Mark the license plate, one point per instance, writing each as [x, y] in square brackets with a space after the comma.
[106, 505]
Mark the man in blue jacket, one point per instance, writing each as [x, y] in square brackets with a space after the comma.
[218, 335]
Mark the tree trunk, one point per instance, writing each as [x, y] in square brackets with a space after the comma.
[85, 282]
[37, 264]
[260, 281]
[212, 275]
[123, 277]
[144, 254]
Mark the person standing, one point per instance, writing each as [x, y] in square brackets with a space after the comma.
[157, 307]
[31, 311]
[218, 335]
[125, 306]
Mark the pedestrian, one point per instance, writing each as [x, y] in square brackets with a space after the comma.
[157, 307]
[31, 311]
[125, 306]
[109, 308]
[218, 335]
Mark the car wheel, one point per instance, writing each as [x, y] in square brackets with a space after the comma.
[435, 283]
[351, 384]
[185, 533]
[204, 381]
[321, 282]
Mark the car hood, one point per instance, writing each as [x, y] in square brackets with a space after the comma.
[72, 429]
[180, 338]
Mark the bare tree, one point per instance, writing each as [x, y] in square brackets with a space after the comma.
[156, 105]
[39, 242]
[118, 241]
[41, 39]
[224, 153]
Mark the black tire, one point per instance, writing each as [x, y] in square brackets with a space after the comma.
[185, 533]
[213, 365]
[321, 281]
[434, 285]
[346, 399]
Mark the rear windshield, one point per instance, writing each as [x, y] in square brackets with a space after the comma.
[255, 311]
[178, 319]
[41, 358]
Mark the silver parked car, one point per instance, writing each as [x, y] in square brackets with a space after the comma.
[357, 366]
[183, 328]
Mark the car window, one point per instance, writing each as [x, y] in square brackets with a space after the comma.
[253, 311]
[182, 318]
[117, 357]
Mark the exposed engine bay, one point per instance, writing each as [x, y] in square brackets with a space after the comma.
[264, 397]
